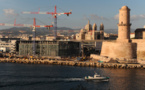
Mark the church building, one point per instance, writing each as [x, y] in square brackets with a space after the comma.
[91, 33]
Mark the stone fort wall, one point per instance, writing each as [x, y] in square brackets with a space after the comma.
[119, 50]
[140, 48]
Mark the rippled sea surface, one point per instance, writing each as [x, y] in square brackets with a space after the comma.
[54, 77]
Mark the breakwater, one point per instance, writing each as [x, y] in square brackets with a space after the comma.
[72, 63]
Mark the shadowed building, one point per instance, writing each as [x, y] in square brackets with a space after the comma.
[140, 33]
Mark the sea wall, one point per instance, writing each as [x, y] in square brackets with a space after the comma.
[74, 63]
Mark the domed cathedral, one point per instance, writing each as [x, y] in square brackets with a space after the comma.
[91, 33]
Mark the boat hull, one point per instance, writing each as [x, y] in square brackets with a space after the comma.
[95, 79]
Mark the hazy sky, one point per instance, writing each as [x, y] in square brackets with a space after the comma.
[97, 11]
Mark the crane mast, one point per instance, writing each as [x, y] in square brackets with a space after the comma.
[55, 22]
[28, 25]
[34, 37]
[54, 14]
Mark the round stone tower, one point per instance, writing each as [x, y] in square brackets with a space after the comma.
[123, 48]
[124, 24]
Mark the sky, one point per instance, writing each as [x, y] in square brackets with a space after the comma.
[97, 11]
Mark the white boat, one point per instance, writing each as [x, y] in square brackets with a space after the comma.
[96, 77]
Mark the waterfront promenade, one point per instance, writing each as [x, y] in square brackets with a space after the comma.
[89, 63]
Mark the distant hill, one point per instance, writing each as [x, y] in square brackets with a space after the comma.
[25, 30]
[115, 31]
[44, 31]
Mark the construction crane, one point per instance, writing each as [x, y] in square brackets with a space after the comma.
[28, 25]
[54, 14]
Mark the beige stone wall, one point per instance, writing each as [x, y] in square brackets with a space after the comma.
[119, 50]
[88, 36]
[143, 34]
[140, 48]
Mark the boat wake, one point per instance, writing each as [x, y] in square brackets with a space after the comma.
[32, 81]
[66, 79]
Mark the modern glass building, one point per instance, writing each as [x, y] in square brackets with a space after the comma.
[50, 48]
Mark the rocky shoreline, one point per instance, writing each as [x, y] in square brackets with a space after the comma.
[74, 63]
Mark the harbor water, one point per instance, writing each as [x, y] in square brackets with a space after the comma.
[15, 76]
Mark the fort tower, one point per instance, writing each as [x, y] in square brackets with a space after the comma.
[124, 24]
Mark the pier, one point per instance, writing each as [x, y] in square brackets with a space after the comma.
[73, 63]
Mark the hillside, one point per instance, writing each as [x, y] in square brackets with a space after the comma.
[44, 31]
[25, 30]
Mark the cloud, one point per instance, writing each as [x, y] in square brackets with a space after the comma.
[9, 12]
[94, 17]
[137, 17]
[132, 17]
[85, 18]
[116, 17]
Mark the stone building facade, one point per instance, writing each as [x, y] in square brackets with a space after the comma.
[90, 32]
[8, 46]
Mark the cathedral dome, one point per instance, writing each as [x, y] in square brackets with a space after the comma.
[88, 26]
